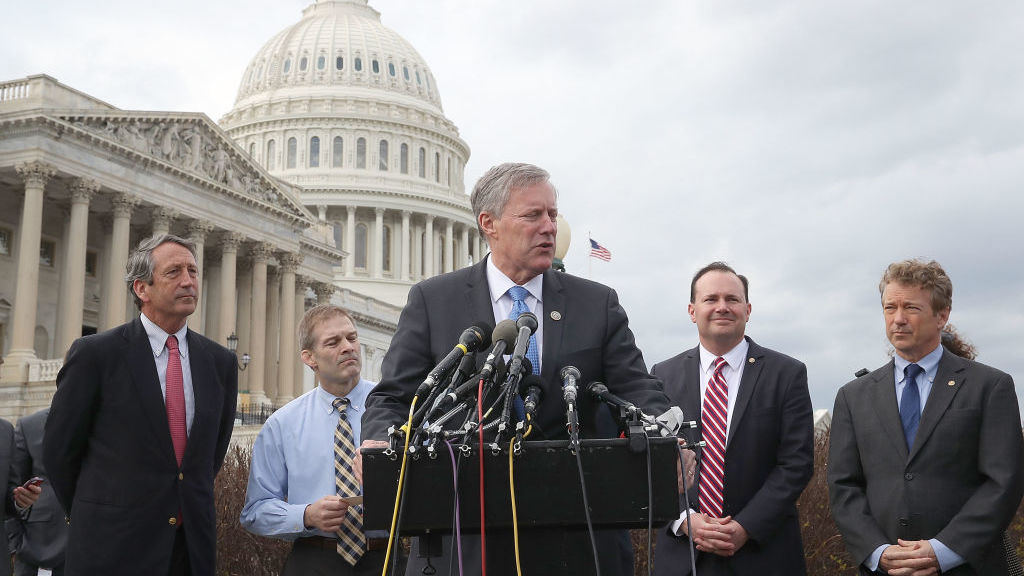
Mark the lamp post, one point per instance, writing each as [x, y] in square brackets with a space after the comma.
[233, 346]
[562, 239]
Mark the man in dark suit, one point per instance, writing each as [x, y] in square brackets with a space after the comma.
[581, 324]
[17, 498]
[756, 418]
[44, 531]
[926, 452]
[139, 427]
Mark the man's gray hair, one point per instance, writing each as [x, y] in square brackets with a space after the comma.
[492, 190]
[140, 262]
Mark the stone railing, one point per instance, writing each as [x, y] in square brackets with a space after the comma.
[15, 90]
[44, 370]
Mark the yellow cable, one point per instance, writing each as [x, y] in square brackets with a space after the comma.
[512, 489]
[529, 426]
[398, 491]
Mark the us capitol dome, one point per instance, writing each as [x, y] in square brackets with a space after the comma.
[345, 109]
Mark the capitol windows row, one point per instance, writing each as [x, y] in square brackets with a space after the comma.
[337, 155]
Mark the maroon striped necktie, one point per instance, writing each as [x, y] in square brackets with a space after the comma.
[713, 421]
[175, 398]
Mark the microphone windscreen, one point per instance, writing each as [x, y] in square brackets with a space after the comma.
[506, 332]
[485, 329]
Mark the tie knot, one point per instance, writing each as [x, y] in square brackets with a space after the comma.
[911, 372]
[518, 293]
[720, 363]
[172, 342]
[341, 405]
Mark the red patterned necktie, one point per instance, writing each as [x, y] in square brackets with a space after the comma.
[175, 399]
[713, 420]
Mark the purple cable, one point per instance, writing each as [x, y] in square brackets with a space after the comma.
[458, 528]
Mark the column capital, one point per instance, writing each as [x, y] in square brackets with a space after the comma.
[198, 230]
[83, 189]
[350, 210]
[212, 258]
[429, 218]
[302, 282]
[378, 211]
[406, 214]
[323, 291]
[230, 241]
[124, 204]
[163, 215]
[36, 173]
[289, 262]
[260, 252]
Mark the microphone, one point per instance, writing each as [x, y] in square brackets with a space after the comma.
[472, 338]
[600, 392]
[527, 325]
[503, 336]
[569, 375]
[533, 392]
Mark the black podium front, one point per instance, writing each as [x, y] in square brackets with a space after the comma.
[547, 487]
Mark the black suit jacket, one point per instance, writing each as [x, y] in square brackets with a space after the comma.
[591, 333]
[769, 458]
[111, 461]
[962, 480]
[8, 481]
[44, 531]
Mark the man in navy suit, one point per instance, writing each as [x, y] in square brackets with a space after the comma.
[756, 417]
[134, 439]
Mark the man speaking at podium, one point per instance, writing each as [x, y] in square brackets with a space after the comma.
[580, 324]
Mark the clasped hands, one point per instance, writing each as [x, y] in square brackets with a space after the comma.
[26, 496]
[721, 536]
[909, 558]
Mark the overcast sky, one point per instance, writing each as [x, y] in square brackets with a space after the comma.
[807, 143]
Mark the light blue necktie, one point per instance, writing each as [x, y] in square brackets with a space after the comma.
[910, 404]
[519, 294]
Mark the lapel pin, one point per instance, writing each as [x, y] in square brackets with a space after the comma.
[951, 383]
[750, 360]
[556, 315]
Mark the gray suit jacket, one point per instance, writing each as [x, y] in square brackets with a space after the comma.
[44, 530]
[769, 459]
[960, 482]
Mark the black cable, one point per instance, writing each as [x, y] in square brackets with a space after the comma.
[650, 504]
[586, 511]
[686, 497]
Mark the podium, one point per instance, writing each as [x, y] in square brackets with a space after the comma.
[547, 486]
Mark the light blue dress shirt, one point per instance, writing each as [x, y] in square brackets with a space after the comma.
[293, 462]
[930, 364]
[158, 342]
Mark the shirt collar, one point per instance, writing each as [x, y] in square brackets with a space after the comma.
[499, 283]
[733, 357]
[158, 338]
[930, 364]
[356, 397]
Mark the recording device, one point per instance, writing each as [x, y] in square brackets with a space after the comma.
[472, 338]
[504, 335]
[526, 325]
[569, 375]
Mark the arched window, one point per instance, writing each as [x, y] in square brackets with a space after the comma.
[423, 162]
[252, 150]
[360, 251]
[359, 64]
[386, 256]
[337, 152]
[391, 69]
[382, 163]
[302, 63]
[405, 72]
[292, 150]
[314, 152]
[361, 153]
[437, 167]
[403, 161]
[376, 66]
[321, 62]
[271, 159]
[287, 65]
[339, 63]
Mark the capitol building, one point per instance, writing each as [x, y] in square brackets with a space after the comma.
[335, 177]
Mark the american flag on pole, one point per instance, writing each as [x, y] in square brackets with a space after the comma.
[598, 251]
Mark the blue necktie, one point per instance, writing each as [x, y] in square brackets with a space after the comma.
[910, 404]
[519, 294]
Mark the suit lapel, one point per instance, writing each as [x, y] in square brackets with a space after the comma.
[948, 379]
[147, 384]
[477, 299]
[751, 375]
[203, 387]
[691, 394]
[554, 301]
[883, 399]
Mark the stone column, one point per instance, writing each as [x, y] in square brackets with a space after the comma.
[259, 253]
[428, 248]
[417, 252]
[161, 218]
[475, 242]
[350, 240]
[404, 265]
[449, 246]
[298, 376]
[72, 286]
[197, 232]
[273, 332]
[26, 292]
[378, 243]
[291, 302]
[464, 247]
[211, 318]
[228, 307]
[120, 236]
[324, 291]
[243, 319]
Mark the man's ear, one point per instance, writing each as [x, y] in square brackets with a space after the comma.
[139, 288]
[307, 359]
